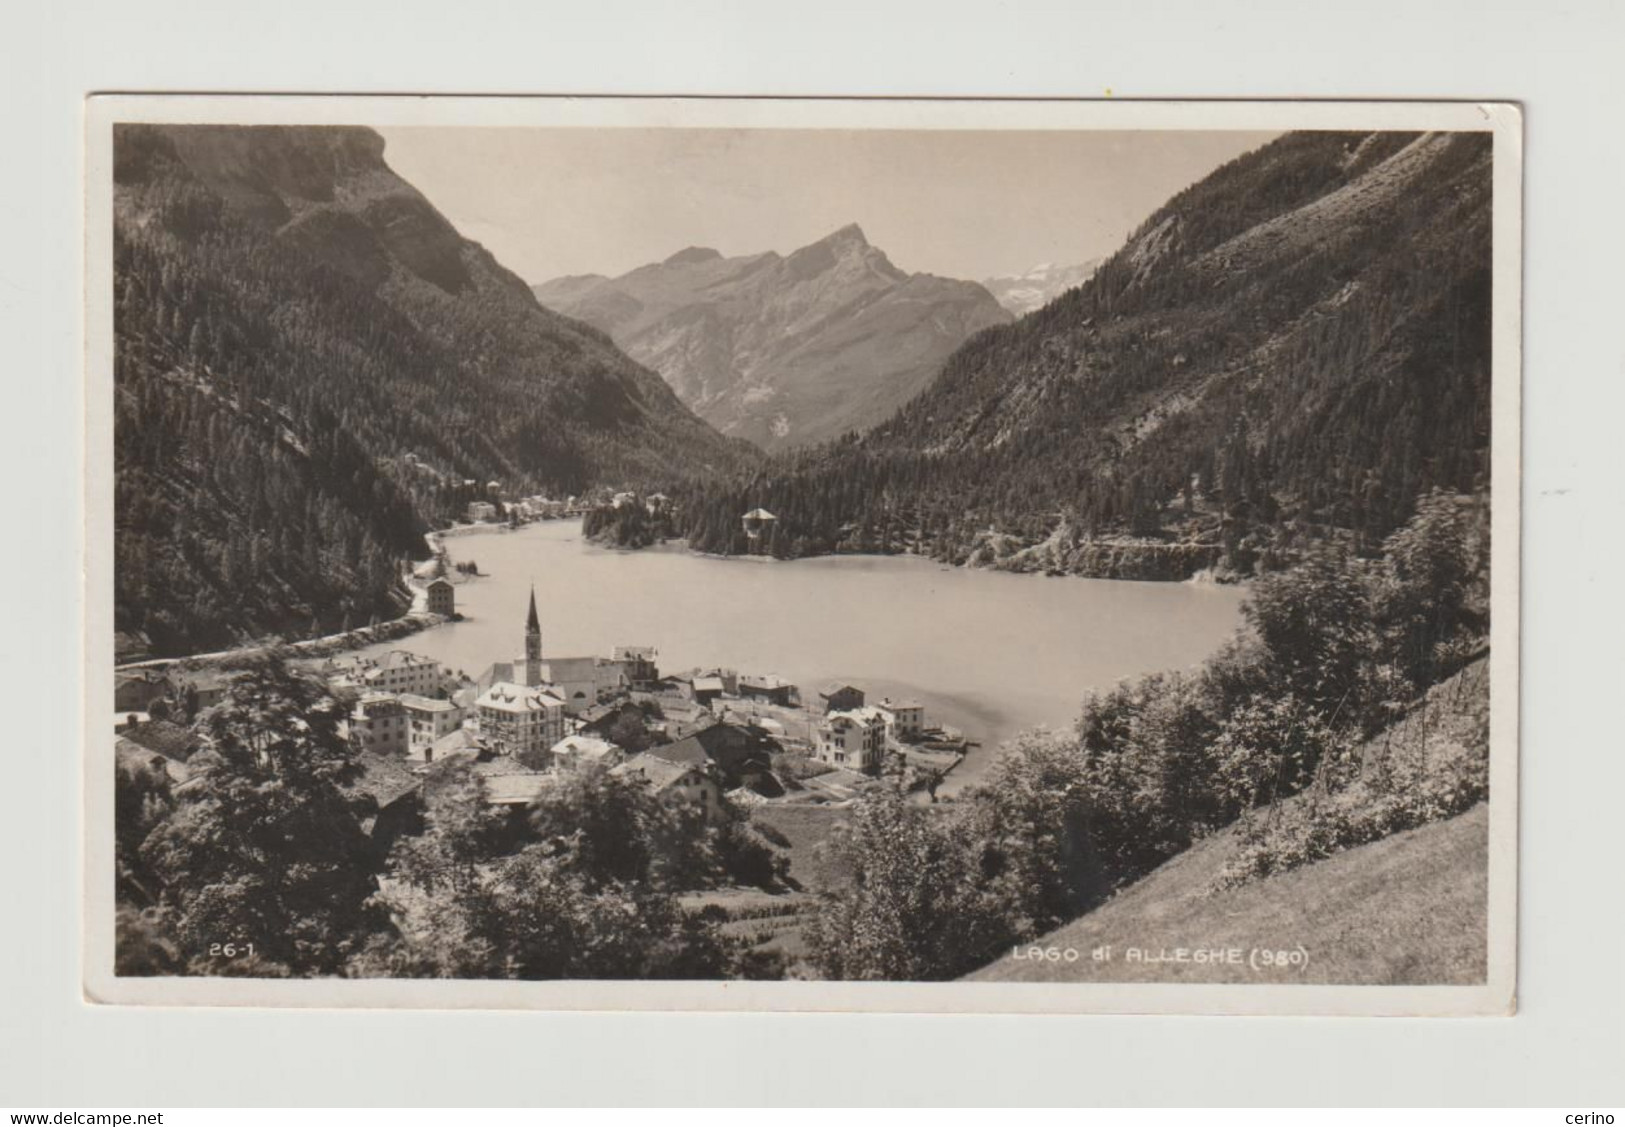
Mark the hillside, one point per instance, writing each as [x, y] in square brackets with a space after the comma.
[1381, 877]
[1021, 294]
[1294, 348]
[1411, 908]
[783, 350]
[292, 320]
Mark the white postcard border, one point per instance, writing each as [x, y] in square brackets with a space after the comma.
[1495, 996]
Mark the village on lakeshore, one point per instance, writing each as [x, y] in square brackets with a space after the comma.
[699, 738]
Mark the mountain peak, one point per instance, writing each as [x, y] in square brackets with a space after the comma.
[692, 254]
[850, 235]
[846, 245]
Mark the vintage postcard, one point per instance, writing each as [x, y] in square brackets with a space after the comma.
[596, 553]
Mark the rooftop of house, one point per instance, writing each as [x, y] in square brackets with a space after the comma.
[589, 746]
[426, 704]
[708, 684]
[659, 772]
[571, 668]
[163, 736]
[496, 671]
[505, 696]
[689, 751]
[503, 766]
[861, 717]
[459, 741]
[834, 687]
[603, 711]
[133, 757]
[506, 779]
[400, 659]
[375, 702]
[441, 581]
[517, 789]
[384, 777]
[206, 677]
[894, 705]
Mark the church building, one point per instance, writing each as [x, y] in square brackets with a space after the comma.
[518, 710]
[579, 682]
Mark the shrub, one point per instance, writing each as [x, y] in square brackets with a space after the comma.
[1433, 765]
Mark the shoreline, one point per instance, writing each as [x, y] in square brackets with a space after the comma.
[416, 618]
[413, 620]
[1202, 577]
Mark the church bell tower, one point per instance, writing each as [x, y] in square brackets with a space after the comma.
[529, 668]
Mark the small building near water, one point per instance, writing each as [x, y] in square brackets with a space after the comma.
[905, 719]
[758, 521]
[442, 597]
[769, 687]
[854, 739]
[840, 697]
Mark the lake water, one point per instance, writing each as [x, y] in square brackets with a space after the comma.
[987, 652]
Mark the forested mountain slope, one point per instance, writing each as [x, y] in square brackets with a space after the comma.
[291, 320]
[1293, 348]
[784, 350]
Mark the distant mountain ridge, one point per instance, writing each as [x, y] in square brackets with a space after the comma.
[1023, 293]
[1293, 349]
[292, 318]
[783, 350]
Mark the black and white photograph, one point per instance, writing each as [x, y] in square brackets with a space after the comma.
[659, 554]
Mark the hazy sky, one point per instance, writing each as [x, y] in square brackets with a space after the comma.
[550, 201]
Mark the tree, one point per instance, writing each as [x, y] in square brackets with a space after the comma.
[144, 944]
[555, 924]
[1032, 816]
[630, 733]
[1316, 623]
[444, 912]
[911, 904]
[571, 905]
[1427, 596]
[265, 846]
[141, 801]
[609, 828]
[1270, 748]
